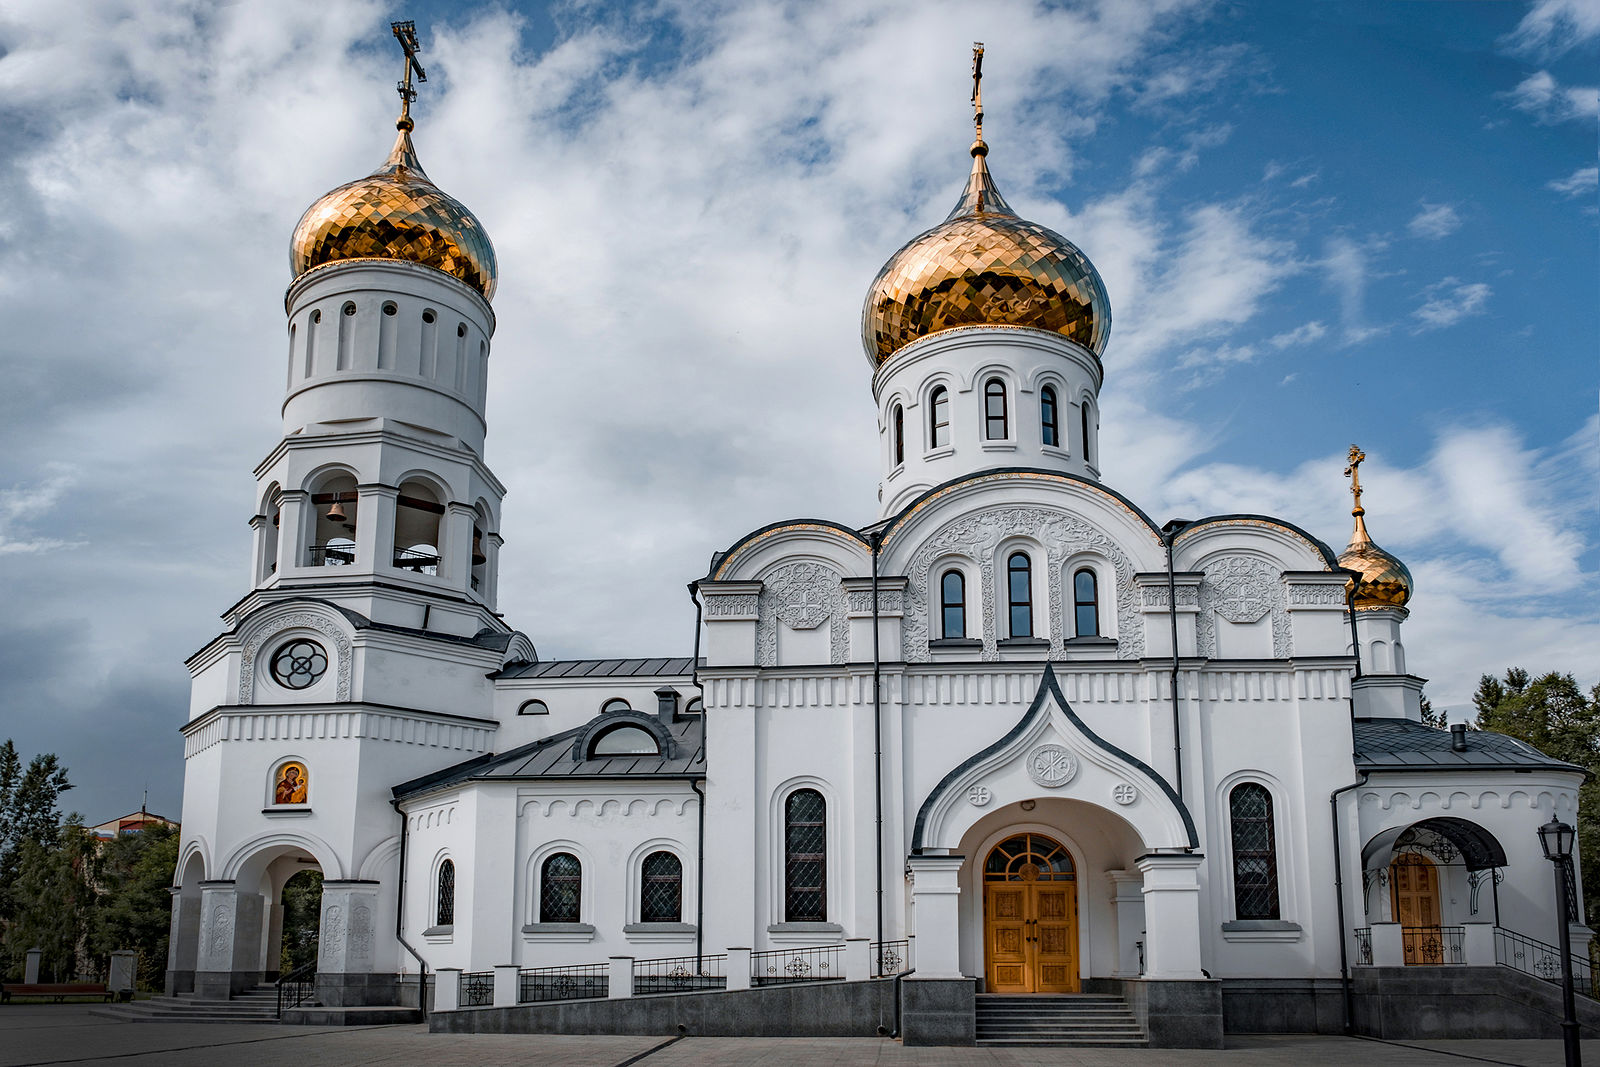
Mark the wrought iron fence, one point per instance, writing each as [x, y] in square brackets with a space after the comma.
[1434, 945]
[1524, 954]
[680, 974]
[409, 559]
[577, 982]
[1363, 946]
[477, 989]
[296, 987]
[333, 554]
[890, 958]
[787, 965]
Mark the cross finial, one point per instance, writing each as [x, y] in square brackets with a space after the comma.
[1353, 472]
[978, 147]
[406, 34]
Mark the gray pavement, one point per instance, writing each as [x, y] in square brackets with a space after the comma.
[52, 1034]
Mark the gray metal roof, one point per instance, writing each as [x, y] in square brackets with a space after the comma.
[551, 757]
[1401, 744]
[659, 667]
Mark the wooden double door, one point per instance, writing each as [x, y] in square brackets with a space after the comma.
[1030, 918]
[1414, 896]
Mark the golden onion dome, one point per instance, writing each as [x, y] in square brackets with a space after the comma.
[984, 266]
[395, 212]
[1385, 582]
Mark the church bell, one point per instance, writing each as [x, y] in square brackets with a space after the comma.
[336, 511]
[478, 558]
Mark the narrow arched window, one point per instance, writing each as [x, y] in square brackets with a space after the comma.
[1255, 854]
[1085, 604]
[995, 422]
[444, 913]
[1083, 415]
[939, 418]
[661, 889]
[953, 605]
[1019, 575]
[560, 889]
[805, 854]
[897, 420]
[1048, 430]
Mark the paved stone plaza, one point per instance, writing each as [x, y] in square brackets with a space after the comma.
[58, 1034]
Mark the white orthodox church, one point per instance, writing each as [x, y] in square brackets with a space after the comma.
[1012, 733]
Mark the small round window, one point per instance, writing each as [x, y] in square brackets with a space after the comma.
[299, 664]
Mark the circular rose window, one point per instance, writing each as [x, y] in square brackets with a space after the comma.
[299, 664]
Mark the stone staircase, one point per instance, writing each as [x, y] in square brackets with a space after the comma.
[1082, 1020]
[258, 1005]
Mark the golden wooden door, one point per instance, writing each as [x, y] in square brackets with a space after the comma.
[1414, 892]
[1055, 937]
[1005, 938]
[1030, 913]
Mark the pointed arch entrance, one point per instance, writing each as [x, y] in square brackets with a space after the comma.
[1030, 917]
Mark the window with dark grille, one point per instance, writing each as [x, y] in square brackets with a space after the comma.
[953, 605]
[1083, 414]
[445, 913]
[899, 420]
[1255, 855]
[994, 410]
[939, 418]
[1020, 574]
[1047, 417]
[805, 849]
[661, 889]
[560, 889]
[1085, 604]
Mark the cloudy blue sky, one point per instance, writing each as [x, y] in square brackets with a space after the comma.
[1318, 223]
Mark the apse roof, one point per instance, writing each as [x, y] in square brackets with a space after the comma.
[1402, 744]
[675, 666]
[551, 757]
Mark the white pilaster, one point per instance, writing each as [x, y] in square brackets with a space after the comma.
[936, 912]
[1172, 915]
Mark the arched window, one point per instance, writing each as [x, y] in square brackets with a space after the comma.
[1255, 855]
[953, 605]
[697, 706]
[534, 707]
[417, 516]
[560, 889]
[661, 889]
[444, 913]
[939, 418]
[1019, 575]
[1048, 429]
[625, 741]
[897, 426]
[805, 855]
[995, 422]
[1083, 415]
[1085, 604]
[615, 704]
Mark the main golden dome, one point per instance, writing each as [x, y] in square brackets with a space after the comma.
[984, 266]
[395, 212]
[1385, 582]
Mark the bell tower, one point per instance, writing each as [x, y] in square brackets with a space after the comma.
[377, 497]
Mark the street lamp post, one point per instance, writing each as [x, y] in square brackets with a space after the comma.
[1555, 837]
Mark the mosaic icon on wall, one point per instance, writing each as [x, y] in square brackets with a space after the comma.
[290, 787]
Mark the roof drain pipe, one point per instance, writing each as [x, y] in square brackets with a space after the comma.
[877, 739]
[696, 784]
[1169, 533]
[1338, 896]
[400, 913]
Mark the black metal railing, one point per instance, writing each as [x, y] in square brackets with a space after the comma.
[1434, 945]
[296, 987]
[890, 958]
[787, 965]
[410, 559]
[680, 974]
[477, 989]
[333, 554]
[1523, 953]
[577, 982]
[1363, 946]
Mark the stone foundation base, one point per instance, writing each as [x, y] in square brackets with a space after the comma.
[938, 1011]
[358, 990]
[1175, 1014]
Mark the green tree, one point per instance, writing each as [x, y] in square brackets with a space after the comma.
[302, 919]
[1554, 715]
[30, 810]
[134, 908]
[54, 901]
[1439, 720]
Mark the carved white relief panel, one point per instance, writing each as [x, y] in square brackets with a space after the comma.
[802, 596]
[302, 620]
[1243, 589]
[976, 537]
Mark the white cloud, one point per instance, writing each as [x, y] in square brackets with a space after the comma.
[1347, 271]
[1301, 335]
[1581, 182]
[1434, 221]
[1448, 301]
[1540, 95]
[1552, 27]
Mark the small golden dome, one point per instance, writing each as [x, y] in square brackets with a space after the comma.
[984, 266]
[1385, 582]
[395, 212]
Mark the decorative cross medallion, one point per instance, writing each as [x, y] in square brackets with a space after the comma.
[1052, 766]
[980, 796]
[1124, 793]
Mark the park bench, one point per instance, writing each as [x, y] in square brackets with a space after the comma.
[58, 990]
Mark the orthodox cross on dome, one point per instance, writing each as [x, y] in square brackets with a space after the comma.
[977, 96]
[1353, 472]
[406, 34]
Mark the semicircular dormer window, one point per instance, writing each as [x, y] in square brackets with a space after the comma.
[625, 741]
[614, 705]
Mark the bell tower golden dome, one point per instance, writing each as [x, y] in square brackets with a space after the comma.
[1385, 582]
[984, 266]
[396, 212]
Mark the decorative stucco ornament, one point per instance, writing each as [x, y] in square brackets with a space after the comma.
[979, 796]
[1052, 766]
[1124, 793]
